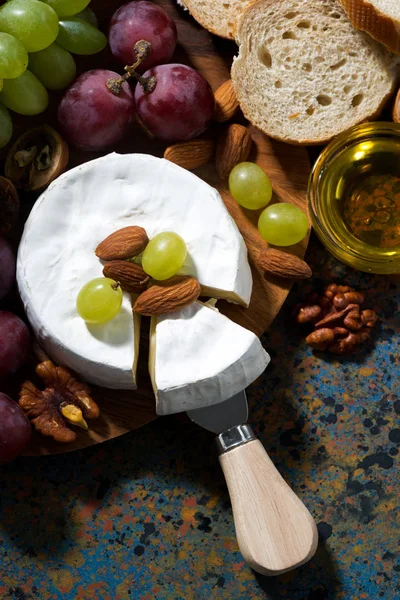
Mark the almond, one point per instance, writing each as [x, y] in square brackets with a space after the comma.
[233, 147]
[226, 103]
[190, 155]
[283, 264]
[130, 276]
[396, 108]
[167, 296]
[122, 244]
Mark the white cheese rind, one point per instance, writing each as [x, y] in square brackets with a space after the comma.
[102, 354]
[199, 357]
[82, 207]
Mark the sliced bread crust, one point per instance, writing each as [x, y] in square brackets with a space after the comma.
[379, 18]
[218, 16]
[304, 74]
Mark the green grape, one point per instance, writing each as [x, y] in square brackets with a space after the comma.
[6, 127]
[33, 23]
[88, 15]
[13, 56]
[164, 255]
[283, 224]
[67, 8]
[25, 94]
[79, 37]
[250, 186]
[54, 66]
[99, 300]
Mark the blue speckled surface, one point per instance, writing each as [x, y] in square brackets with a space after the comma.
[148, 515]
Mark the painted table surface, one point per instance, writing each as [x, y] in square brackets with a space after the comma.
[147, 515]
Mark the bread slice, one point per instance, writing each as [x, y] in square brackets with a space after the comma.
[379, 18]
[304, 74]
[218, 16]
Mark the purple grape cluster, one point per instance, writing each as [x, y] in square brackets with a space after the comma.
[180, 107]
[15, 431]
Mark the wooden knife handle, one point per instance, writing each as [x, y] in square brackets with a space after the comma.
[274, 530]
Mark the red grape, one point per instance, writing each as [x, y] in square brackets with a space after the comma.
[142, 21]
[7, 267]
[15, 430]
[91, 116]
[14, 343]
[180, 107]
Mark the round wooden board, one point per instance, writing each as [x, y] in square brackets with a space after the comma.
[287, 166]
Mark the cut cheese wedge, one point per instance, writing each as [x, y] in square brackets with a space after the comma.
[80, 209]
[199, 357]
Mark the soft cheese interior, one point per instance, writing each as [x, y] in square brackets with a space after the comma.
[199, 357]
[82, 207]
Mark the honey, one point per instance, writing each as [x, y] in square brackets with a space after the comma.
[354, 194]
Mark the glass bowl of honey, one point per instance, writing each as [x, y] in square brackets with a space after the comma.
[354, 196]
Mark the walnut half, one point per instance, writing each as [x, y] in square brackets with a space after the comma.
[65, 400]
[340, 324]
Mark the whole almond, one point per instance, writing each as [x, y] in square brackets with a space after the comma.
[168, 296]
[269, 260]
[282, 264]
[130, 276]
[233, 147]
[190, 155]
[122, 244]
[226, 103]
[396, 108]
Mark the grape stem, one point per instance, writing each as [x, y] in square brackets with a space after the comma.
[142, 50]
[115, 286]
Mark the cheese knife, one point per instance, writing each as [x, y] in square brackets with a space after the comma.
[274, 530]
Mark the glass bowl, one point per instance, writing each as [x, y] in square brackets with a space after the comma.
[354, 197]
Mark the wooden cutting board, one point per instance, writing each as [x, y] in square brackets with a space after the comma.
[287, 166]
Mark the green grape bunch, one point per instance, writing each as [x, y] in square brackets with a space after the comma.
[37, 40]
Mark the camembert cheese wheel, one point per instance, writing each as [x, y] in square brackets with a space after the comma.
[56, 258]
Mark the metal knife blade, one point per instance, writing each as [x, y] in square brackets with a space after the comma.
[222, 416]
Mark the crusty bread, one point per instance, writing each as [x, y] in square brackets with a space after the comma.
[304, 74]
[218, 16]
[379, 18]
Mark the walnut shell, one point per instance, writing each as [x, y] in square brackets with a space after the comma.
[37, 157]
